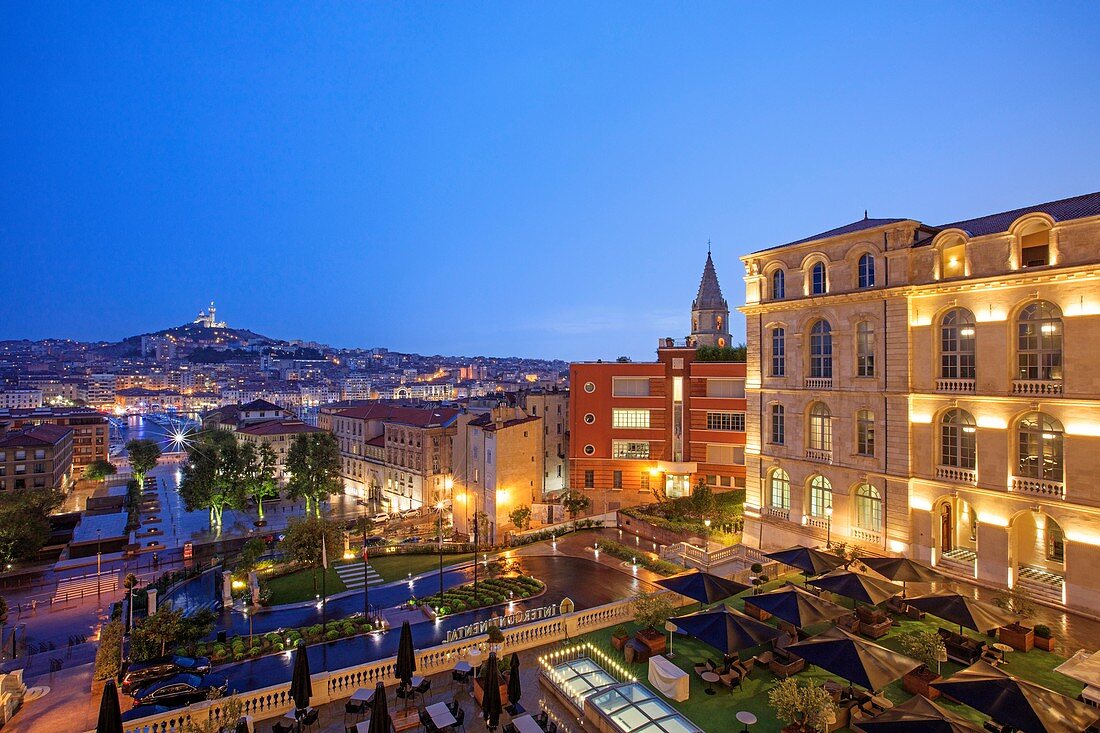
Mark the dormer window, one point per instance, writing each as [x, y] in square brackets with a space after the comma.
[1035, 246]
[953, 259]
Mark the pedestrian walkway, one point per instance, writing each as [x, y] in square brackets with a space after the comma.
[85, 585]
[352, 574]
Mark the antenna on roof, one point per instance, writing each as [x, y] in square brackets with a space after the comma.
[865, 215]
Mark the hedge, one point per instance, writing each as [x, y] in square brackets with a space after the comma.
[490, 592]
[625, 552]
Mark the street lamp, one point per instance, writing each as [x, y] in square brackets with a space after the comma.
[98, 564]
[706, 539]
[439, 508]
[829, 526]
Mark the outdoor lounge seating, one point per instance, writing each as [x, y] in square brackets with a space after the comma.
[784, 664]
[849, 623]
[961, 649]
[732, 677]
[873, 622]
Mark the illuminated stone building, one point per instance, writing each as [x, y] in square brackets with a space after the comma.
[929, 391]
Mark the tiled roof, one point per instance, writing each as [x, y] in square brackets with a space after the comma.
[486, 423]
[1077, 207]
[38, 435]
[279, 427]
[855, 226]
[259, 405]
[414, 416]
[710, 292]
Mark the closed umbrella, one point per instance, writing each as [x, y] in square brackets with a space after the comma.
[902, 569]
[703, 587]
[962, 610]
[918, 714]
[301, 689]
[406, 658]
[857, 660]
[110, 716]
[1017, 703]
[491, 704]
[798, 607]
[806, 559]
[727, 630]
[379, 711]
[515, 688]
[857, 586]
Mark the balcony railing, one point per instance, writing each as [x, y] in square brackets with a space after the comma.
[866, 535]
[1039, 487]
[1037, 387]
[958, 475]
[817, 522]
[774, 511]
[821, 456]
[955, 385]
[819, 383]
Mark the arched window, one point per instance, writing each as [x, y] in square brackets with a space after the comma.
[779, 285]
[718, 323]
[821, 496]
[779, 424]
[779, 489]
[1040, 447]
[868, 508]
[865, 433]
[779, 352]
[821, 350]
[958, 445]
[957, 344]
[821, 427]
[865, 349]
[1035, 245]
[953, 258]
[1039, 343]
[1056, 541]
[866, 270]
[817, 279]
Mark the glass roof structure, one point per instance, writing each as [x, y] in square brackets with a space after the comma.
[581, 677]
[633, 708]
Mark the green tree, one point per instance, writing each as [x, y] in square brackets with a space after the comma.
[521, 516]
[652, 609]
[703, 503]
[313, 463]
[259, 474]
[214, 475]
[575, 503]
[302, 542]
[143, 458]
[99, 470]
[168, 627]
[250, 554]
[108, 655]
[25, 522]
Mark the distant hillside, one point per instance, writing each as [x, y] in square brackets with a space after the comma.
[193, 332]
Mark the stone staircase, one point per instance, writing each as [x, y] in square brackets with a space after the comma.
[86, 585]
[1041, 584]
[352, 575]
[959, 561]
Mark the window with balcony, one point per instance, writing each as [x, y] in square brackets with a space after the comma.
[779, 489]
[779, 285]
[821, 428]
[865, 349]
[1040, 441]
[629, 418]
[957, 345]
[726, 421]
[779, 432]
[818, 283]
[866, 271]
[779, 352]
[629, 449]
[868, 508]
[865, 433]
[958, 440]
[821, 496]
[1039, 342]
[821, 350]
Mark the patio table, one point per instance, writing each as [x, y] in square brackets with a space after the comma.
[526, 724]
[441, 715]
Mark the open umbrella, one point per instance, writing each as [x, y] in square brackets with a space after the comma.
[903, 569]
[703, 587]
[806, 559]
[1017, 703]
[110, 716]
[918, 714]
[515, 688]
[301, 689]
[962, 610]
[491, 705]
[379, 712]
[798, 607]
[857, 660]
[857, 586]
[727, 630]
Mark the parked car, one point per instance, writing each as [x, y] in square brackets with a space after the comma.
[181, 689]
[376, 541]
[141, 674]
[142, 711]
[410, 540]
[380, 517]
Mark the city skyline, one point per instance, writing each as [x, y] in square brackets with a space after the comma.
[571, 163]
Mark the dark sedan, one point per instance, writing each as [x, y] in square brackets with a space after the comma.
[182, 689]
[142, 674]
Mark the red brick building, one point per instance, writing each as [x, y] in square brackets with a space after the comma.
[91, 431]
[37, 457]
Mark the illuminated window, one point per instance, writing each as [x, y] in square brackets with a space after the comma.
[957, 344]
[779, 484]
[726, 421]
[817, 279]
[821, 428]
[866, 270]
[1040, 439]
[779, 352]
[1039, 342]
[865, 433]
[958, 440]
[865, 349]
[779, 285]
[868, 508]
[778, 434]
[629, 449]
[1035, 246]
[629, 418]
[1056, 542]
[953, 259]
[821, 350]
[821, 496]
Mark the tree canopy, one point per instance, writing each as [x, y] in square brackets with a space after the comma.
[214, 476]
[302, 542]
[25, 522]
[99, 469]
[259, 466]
[313, 463]
[143, 457]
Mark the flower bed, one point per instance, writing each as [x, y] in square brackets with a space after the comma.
[626, 552]
[489, 593]
[237, 648]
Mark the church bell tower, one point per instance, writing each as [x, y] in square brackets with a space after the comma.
[710, 314]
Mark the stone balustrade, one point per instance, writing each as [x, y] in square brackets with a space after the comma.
[955, 386]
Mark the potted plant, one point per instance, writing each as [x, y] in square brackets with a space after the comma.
[1044, 639]
[503, 670]
[1016, 635]
[650, 611]
[803, 708]
[928, 649]
[619, 635]
[496, 639]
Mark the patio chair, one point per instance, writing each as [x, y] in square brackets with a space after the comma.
[424, 686]
[460, 718]
[551, 727]
[463, 677]
[280, 727]
[732, 678]
[991, 656]
[426, 721]
[453, 706]
[746, 667]
[309, 720]
[542, 719]
[849, 623]
[509, 728]
[701, 667]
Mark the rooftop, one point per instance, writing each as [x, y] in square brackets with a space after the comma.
[42, 435]
[279, 427]
[415, 416]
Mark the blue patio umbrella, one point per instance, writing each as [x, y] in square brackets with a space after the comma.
[301, 688]
[857, 586]
[703, 587]
[807, 559]
[857, 660]
[727, 630]
[798, 607]
[962, 610]
[918, 714]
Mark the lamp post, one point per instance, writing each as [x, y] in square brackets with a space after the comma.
[706, 540]
[98, 563]
[439, 508]
[829, 526]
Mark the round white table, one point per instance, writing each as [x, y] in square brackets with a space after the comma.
[746, 719]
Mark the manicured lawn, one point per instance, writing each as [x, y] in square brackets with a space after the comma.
[396, 567]
[298, 586]
[715, 712]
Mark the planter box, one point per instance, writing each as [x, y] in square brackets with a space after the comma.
[1020, 638]
[653, 640]
[619, 642]
[479, 692]
[756, 613]
[1047, 644]
[918, 682]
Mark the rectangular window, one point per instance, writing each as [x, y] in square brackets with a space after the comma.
[865, 350]
[630, 386]
[726, 388]
[629, 449]
[589, 479]
[865, 433]
[617, 479]
[726, 421]
[629, 418]
[779, 352]
[725, 455]
[778, 434]
[643, 483]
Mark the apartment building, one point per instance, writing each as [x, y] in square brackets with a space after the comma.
[91, 430]
[552, 405]
[928, 391]
[235, 417]
[20, 398]
[643, 431]
[37, 457]
[277, 433]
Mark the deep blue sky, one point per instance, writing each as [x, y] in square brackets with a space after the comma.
[509, 178]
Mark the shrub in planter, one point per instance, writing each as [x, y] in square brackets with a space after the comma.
[108, 657]
[804, 708]
[928, 649]
[1044, 639]
[619, 637]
